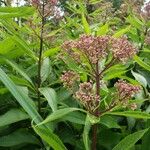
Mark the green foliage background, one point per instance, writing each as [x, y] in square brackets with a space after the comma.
[63, 124]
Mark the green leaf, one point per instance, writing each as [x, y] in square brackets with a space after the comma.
[73, 65]
[51, 51]
[141, 63]
[145, 141]
[11, 12]
[103, 30]
[130, 140]
[115, 71]
[51, 97]
[109, 121]
[75, 117]
[122, 32]
[85, 25]
[118, 67]
[21, 97]
[54, 32]
[17, 138]
[20, 81]
[86, 131]
[30, 108]
[3, 91]
[45, 69]
[140, 78]
[24, 45]
[134, 21]
[130, 80]
[52, 141]
[94, 1]
[135, 114]
[59, 114]
[12, 116]
[114, 74]
[6, 45]
[19, 70]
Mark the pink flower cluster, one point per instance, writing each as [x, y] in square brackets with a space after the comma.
[39, 2]
[69, 78]
[122, 49]
[126, 91]
[50, 8]
[87, 97]
[97, 48]
[93, 48]
[146, 11]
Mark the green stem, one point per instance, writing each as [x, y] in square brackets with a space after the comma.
[40, 59]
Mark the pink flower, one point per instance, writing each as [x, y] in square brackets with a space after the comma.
[126, 91]
[122, 49]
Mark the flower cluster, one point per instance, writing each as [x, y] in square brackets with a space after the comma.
[93, 48]
[37, 3]
[69, 78]
[133, 106]
[87, 97]
[123, 49]
[126, 91]
[146, 11]
[50, 8]
[96, 48]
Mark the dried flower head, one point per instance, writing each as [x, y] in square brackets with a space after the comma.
[122, 49]
[69, 78]
[87, 97]
[126, 91]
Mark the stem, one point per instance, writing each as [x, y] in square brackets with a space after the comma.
[97, 79]
[95, 126]
[40, 59]
[94, 136]
[107, 66]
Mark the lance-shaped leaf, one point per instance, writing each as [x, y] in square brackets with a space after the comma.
[141, 63]
[12, 116]
[85, 25]
[130, 140]
[60, 114]
[135, 114]
[11, 12]
[30, 108]
[51, 97]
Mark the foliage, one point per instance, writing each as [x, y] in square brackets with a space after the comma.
[37, 111]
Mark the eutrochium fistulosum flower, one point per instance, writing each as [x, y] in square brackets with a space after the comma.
[90, 52]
